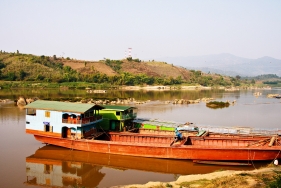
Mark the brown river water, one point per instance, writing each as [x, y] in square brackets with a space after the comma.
[25, 162]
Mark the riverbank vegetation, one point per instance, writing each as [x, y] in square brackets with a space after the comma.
[27, 70]
[265, 177]
[269, 179]
[268, 79]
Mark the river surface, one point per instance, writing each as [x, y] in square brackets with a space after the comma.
[24, 162]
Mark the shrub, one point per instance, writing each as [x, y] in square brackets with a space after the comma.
[276, 183]
[217, 104]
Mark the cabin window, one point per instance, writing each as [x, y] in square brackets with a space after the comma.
[48, 168]
[118, 113]
[47, 114]
[31, 112]
[91, 113]
[65, 118]
[86, 114]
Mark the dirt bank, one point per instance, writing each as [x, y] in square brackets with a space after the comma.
[247, 179]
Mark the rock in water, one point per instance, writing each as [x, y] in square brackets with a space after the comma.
[21, 101]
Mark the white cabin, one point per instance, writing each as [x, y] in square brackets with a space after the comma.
[62, 119]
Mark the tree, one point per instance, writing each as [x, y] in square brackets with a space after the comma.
[2, 65]
[39, 77]
[178, 80]
[238, 77]
[67, 69]
[22, 75]
[114, 80]
[11, 76]
[124, 78]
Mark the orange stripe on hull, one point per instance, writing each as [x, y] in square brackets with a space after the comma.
[36, 132]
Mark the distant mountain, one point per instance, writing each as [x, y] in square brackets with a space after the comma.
[217, 71]
[228, 64]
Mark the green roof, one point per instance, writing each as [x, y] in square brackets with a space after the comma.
[117, 108]
[63, 106]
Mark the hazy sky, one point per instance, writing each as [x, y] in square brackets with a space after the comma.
[97, 29]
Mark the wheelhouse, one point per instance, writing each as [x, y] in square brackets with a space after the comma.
[118, 118]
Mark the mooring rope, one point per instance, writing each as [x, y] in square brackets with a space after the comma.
[105, 133]
[278, 152]
[250, 157]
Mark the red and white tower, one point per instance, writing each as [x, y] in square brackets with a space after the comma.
[129, 52]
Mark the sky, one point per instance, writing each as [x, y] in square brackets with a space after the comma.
[95, 29]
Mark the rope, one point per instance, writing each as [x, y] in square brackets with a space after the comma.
[105, 133]
[253, 161]
[72, 145]
[250, 158]
[278, 152]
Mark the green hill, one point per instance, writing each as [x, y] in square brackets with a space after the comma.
[28, 67]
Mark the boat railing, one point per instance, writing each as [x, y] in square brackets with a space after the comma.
[82, 121]
[90, 119]
[184, 127]
[71, 121]
[242, 131]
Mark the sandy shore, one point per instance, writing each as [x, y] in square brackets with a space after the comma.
[211, 176]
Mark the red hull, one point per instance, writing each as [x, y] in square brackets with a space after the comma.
[219, 151]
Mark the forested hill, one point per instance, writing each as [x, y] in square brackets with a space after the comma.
[27, 67]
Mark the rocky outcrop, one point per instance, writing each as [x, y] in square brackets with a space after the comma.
[184, 101]
[23, 101]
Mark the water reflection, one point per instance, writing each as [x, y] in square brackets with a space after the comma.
[59, 167]
[139, 95]
[10, 111]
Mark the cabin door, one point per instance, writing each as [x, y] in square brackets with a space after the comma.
[112, 125]
[65, 132]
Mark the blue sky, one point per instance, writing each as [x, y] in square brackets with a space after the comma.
[94, 29]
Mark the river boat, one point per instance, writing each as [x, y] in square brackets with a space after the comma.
[106, 129]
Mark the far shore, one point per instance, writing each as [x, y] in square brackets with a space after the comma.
[162, 87]
[194, 87]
